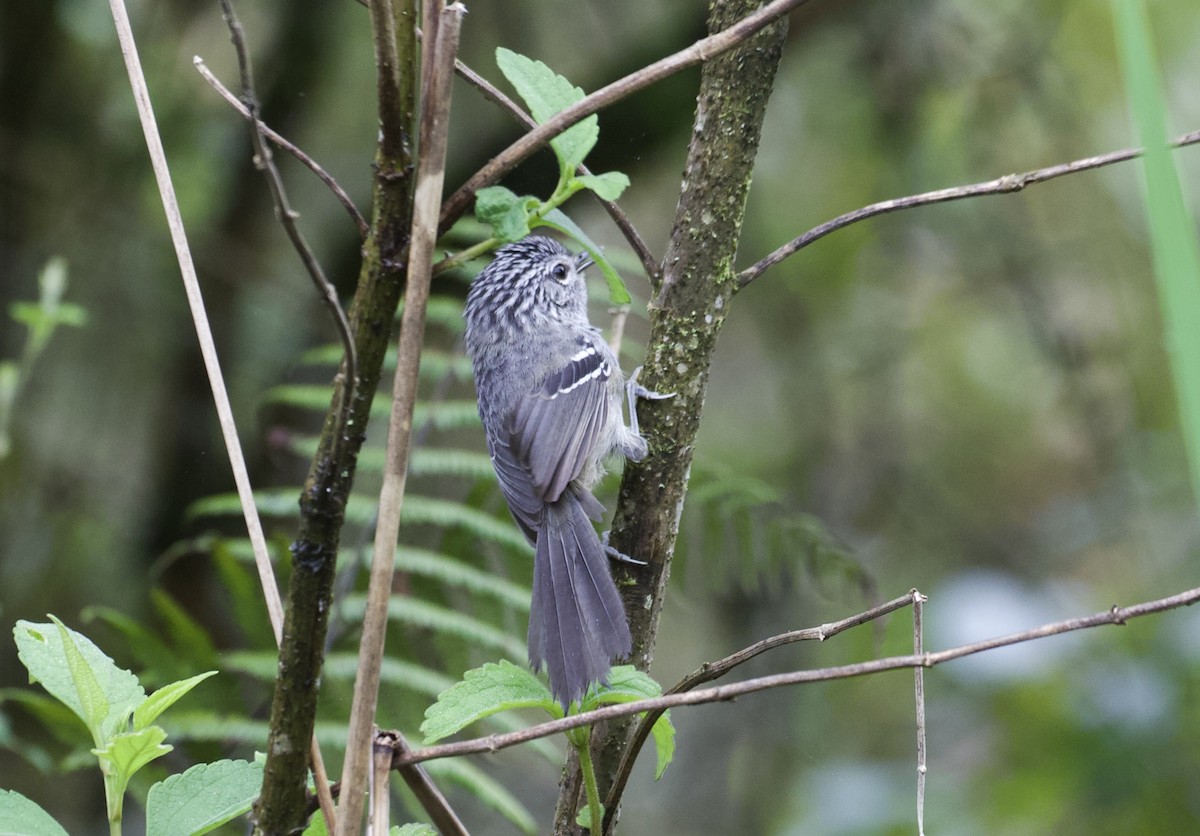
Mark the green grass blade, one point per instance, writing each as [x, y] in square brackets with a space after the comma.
[1172, 233]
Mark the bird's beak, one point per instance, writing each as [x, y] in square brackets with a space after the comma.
[583, 261]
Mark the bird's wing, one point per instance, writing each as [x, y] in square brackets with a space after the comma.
[554, 429]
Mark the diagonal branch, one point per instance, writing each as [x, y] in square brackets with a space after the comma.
[265, 161]
[918, 602]
[1116, 616]
[649, 263]
[287, 145]
[1007, 184]
[437, 63]
[711, 671]
[697, 53]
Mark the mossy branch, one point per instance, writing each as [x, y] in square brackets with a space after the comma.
[686, 315]
[281, 807]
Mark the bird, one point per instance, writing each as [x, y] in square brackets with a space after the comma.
[549, 390]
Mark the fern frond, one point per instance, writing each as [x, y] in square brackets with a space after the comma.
[454, 573]
[442, 621]
[485, 788]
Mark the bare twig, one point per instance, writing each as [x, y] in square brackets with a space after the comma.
[264, 161]
[1007, 184]
[650, 264]
[287, 217]
[191, 285]
[918, 602]
[435, 114]
[616, 333]
[697, 53]
[284, 143]
[711, 671]
[1117, 616]
[427, 793]
[381, 800]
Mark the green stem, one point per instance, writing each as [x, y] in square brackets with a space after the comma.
[589, 782]
[474, 251]
[112, 794]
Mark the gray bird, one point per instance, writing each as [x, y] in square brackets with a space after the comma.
[549, 392]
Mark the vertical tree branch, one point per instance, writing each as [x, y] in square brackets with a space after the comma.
[281, 807]
[686, 315]
[918, 602]
[435, 116]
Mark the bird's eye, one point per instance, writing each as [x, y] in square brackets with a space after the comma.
[559, 272]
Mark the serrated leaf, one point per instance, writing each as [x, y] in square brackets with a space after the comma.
[203, 798]
[483, 691]
[78, 674]
[164, 698]
[547, 93]
[556, 219]
[21, 817]
[610, 185]
[505, 211]
[126, 753]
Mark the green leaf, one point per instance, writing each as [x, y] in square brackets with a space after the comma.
[483, 691]
[505, 211]
[164, 698]
[203, 798]
[627, 684]
[1172, 230]
[609, 185]
[78, 674]
[547, 93]
[126, 753]
[556, 219]
[316, 827]
[584, 819]
[412, 829]
[663, 731]
[21, 817]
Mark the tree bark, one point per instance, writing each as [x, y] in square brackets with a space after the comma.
[686, 315]
[281, 808]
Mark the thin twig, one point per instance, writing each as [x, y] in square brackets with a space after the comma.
[1007, 184]
[697, 53]
[616, 333]
[191, 285]
[264, 161]
[284, 143]
[1117, 616]
[427, 793]
[711, 671]
[208, 351]
[650, 264]
[379, 786]
[918, 604]
[435, 113]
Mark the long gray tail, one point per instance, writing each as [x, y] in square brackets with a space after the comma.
[577, 622]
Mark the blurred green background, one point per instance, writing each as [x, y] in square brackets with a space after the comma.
[972, 399]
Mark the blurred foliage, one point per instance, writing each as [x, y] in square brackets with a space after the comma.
[972, 399]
